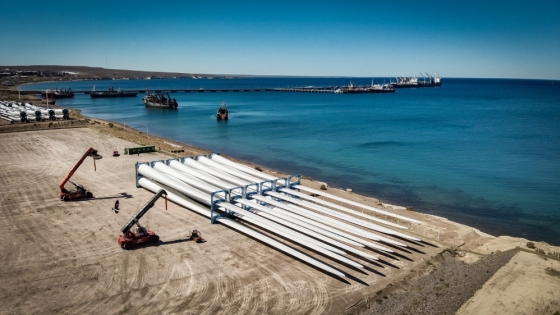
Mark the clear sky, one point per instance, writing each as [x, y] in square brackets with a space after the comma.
[482, 39]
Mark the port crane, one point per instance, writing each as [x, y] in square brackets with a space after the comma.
[79, 190]
[142, 235]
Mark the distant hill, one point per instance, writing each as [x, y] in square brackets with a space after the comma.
[102, 72]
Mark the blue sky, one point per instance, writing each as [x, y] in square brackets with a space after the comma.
[483, 39]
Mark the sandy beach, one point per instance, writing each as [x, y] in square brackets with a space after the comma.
[63, 257]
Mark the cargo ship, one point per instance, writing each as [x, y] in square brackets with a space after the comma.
[159, 100]
[112, 93]
[429, 81]
[373, 88]
[58, 93]
[222, 113]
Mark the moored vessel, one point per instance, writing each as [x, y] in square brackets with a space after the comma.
[58, 93]
[373, 88]
[159, 100]
[429, 81]
[112, 93]
[222, 113]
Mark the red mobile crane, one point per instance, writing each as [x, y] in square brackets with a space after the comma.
[130, 239]
[79, 190]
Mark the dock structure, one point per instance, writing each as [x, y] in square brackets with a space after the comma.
[141, 91]
[309, 89]
[341, 89]
[350, 89]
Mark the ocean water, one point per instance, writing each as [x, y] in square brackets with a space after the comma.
[484, 152]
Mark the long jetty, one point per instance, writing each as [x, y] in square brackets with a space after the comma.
[162, 90]
[330, 89]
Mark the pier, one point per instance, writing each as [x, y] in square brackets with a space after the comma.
[308, 89]
[141, 91]
[330, 89]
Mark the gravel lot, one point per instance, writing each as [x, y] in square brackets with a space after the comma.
[449, 283]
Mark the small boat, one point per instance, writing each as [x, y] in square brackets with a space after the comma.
[58, 93]
[222, 113]
[112, 93]
[159, 100]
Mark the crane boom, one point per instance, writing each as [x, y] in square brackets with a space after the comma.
[126, 228]
[90, 152]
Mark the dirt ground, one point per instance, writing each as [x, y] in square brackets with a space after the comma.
[528, 284]
[63, 257]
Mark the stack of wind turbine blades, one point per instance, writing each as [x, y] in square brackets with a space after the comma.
[219, 171]
[179, 199]
[196, 194]
[208, 188]
[265, 176]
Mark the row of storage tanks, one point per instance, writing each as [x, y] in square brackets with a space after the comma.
[237, 193]
[25, 112]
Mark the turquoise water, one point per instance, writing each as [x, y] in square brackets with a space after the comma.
[484, 152]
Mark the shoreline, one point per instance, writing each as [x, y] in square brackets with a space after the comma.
[167, 146]
[497, 211]
[176, 149]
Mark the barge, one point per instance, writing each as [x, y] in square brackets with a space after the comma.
[111, 93]
[58, 93]
[373, 88]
